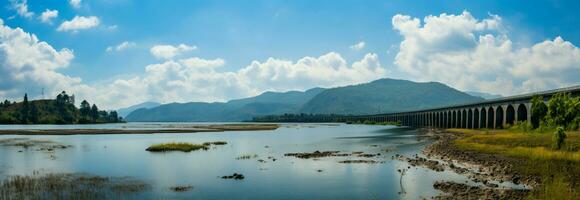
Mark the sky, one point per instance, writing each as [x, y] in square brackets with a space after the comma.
[118, 53]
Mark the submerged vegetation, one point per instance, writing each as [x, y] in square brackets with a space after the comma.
[61, 110]
[246, 156]
[69, 186]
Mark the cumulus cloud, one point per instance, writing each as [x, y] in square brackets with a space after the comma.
[48, 15]
[79, 23]
[169, 51]
[120, 47]
[28, 64]
[21, 7]
[358, 46]
[75, 3]
[477, 55]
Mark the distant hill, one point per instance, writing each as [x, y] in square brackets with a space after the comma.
[385, 96]
[483, 95]
[268, 103]
[123, 112]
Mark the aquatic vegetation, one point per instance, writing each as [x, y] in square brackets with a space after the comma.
[358, 161]
[246, 156]
[317, 154]
[181, 188]
[234, 176]
[215, 143]
[177, 146]
[69, 186]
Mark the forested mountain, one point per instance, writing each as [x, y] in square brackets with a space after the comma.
[268, 103]
[383, 95]
[123, 112]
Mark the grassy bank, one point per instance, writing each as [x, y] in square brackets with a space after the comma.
[559, 170]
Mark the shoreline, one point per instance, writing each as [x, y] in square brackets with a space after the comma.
[487, 169]
[189, 129]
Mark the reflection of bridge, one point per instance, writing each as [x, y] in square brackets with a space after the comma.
[494, 113]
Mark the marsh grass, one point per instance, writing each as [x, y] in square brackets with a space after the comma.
[215, 143]
[559, 169]
[69, 186]
[177, 146]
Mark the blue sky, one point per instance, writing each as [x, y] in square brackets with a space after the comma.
[239, 33]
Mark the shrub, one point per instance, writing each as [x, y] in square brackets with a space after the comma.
[558, 138]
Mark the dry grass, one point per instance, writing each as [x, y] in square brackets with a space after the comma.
[559, 169]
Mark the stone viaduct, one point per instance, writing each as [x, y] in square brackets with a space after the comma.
[491, 114]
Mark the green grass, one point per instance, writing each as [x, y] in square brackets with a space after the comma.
[559, 169]
[177, 146]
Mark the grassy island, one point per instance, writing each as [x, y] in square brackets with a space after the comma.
[177, 146]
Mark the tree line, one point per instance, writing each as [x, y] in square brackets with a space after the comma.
[60, 110]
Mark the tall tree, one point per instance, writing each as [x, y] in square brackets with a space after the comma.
[34, 115]
[94, 112]
[24, 110]
[539, 110]
[85, 108]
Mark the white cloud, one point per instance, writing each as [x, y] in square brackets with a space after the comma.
[21, 8]
[169, 51]
[358, 46]
[48, 15]
[477, 55]
[120, 47]
[75, 3]
[79, 23]
[28, 65]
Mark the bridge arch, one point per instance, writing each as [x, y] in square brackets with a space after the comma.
[499, 117]
[483, 118]
[476, 118]
[449, 119]
[522, 113]
[510, 115]
[464, 119]
[469, 118]
[491, 118]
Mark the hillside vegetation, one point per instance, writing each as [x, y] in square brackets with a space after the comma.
[54, 111]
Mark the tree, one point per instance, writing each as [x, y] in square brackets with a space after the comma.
[113, 116]
[34, 115]
[24, 110]
[563, 109]
[94, 112]
[85, 108]
[539, 110]
[558, 138]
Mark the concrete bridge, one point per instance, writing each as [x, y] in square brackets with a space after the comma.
[492, 114]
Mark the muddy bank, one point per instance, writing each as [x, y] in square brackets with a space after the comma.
[462, 191]
[484, 166]
[189, 129]
[479, 167]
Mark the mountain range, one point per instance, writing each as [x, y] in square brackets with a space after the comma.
[379, 96]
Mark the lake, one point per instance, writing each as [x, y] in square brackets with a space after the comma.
[284, 178]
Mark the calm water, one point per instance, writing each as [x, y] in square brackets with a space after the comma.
[286, 178]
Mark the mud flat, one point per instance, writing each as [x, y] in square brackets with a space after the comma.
[463, 191]
[184, 129]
